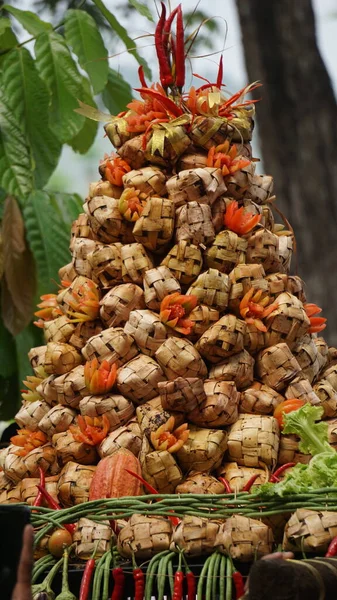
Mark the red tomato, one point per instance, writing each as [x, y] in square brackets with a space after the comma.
[58, 539]
[287, 406]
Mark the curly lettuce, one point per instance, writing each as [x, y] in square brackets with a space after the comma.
[321, 471]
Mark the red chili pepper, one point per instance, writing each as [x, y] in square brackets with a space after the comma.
[119, 581]
[87, 576]
[220, 74]
[238, 584]
[142, 77]
[191, 581]
[180, 50]
[167, 28]
[178, 582]
[139, 580]
[332, 550]
[42, 483]
[165, 73]
[166, 103]
[55, 505]
[246, 488]
[152, 490]
[226, 484]
[275, 476]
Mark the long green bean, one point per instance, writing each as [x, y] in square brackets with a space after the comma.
[96, 588]
[202, 576]
[215, 575]
[150, 573]
[170, 577]
[161, 575]
[222, 585]
[229, 579]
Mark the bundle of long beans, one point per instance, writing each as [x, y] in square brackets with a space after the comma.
[221, 506]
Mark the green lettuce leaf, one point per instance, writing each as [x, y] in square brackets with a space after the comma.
[321, 472]
[314, 436]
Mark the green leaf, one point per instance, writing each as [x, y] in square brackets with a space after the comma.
[142, 9]
[28, 99]
[86, 136]
[69, 205]
[30, 337]
[48, 236]
[9, 396]
[29, 20]
[123, 34]
[7, 352]
[117, 93]
[7, 37]
[83, 36]
[58, 70]
[16, 167]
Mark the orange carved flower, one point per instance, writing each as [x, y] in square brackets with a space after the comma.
[28, 440]
[49, 309]
[114, 167]
[175, 308]
[90, 430]
[99, 378]
[83, 302]
[168, 438]
[130, 204]
[225, 157]
[317, 324]
[255, 306]
[239, 221]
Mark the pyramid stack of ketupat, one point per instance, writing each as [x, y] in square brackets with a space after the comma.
[178, 329]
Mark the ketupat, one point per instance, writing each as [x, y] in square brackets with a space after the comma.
[180, 288]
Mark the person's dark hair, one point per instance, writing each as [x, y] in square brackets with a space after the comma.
[289, 580]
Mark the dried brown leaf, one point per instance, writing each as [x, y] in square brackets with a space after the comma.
[18, 284]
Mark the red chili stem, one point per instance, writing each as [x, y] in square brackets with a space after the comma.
[142, 77]
[165, 74]
[220, 74]
[332, 550]
[246, 488]
[226, 484]
[87, 576]
[152, 490]
[178, 582]
[167, 104]
[119, 580]
[180, 50]
[275, 476]
[55, 505]
[42, 483]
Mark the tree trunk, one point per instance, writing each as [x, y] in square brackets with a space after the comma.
[297, 122]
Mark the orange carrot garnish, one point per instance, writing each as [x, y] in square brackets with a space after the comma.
[99, 378]
[256, 306]
[317, 324]
[175, 308]
[239, 221]
[90, 430]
